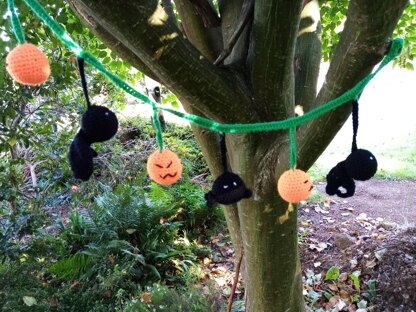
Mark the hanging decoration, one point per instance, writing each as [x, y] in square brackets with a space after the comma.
[26, 63]
[164, 167]
[228, 188]
[98, 124]
[360, 165]
[294, 185]
[338, 179]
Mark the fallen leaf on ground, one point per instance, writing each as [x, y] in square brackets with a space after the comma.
[29, 301]
[317, 264]
[146, 297]
[53, 302]
[371, 264]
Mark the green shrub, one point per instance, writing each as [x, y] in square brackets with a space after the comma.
[122, 234]
[163, 299]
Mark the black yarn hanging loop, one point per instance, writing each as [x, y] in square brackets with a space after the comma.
[354, 124]
[223, 152]
[80, 61]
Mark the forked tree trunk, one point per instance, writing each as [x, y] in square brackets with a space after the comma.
[273, 66]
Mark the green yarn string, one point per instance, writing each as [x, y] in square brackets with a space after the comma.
[17, 27]
[395, 50]
[292, 134]
[156, 124]
[57, 29]
[89, 58]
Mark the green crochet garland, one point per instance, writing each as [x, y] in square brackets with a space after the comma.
[290, 123]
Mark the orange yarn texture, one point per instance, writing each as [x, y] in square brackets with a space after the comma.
[28, 65]
[164, 167]
[294, 186]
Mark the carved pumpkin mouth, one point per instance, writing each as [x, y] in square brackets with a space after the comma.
[168, 175]
[310, 189]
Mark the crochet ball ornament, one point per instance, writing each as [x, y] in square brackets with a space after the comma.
[28, 65]
[361, 165]
[294, 186]
[164, 167]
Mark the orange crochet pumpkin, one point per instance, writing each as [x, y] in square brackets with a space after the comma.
[164, 167]
[294, 186]
[28, 65]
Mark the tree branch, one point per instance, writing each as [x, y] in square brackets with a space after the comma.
[245, 17]
[207, 12]
[308, 55]
[209, 142]
[143, 28]
[230, 12]
[364, 41]
[168, 7]
[275, 28]
[108, 39]
[207, 40]
[237, 274]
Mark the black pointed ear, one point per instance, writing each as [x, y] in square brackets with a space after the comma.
[247, 193]
[210, 199]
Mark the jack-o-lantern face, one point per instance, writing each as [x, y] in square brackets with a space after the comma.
[294, 186]
[164, 167]
[28, 65]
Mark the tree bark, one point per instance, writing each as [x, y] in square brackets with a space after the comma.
[308, 55]
[207, 40]
[273, 65]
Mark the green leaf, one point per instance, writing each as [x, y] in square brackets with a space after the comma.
[332, 274]
[12, 142]
[362, 304]
[354, 278]
[29, 301]
[175, 104]
[328, 295]
[238, 305]
[314, 296]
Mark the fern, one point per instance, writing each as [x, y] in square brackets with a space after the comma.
[72, 267]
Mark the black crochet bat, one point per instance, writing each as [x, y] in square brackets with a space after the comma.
[360, 165]
[228, 188]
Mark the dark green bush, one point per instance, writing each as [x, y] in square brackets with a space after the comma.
[163, 299]
[96, 246]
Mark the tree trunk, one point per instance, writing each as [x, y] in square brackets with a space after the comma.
[273, 66]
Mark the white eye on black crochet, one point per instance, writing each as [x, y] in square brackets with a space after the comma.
[225, 186]
[235, 183]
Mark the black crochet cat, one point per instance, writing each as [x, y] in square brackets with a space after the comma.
[98, 124]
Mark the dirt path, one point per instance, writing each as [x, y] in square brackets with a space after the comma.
[373, 234]
[392, 200]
